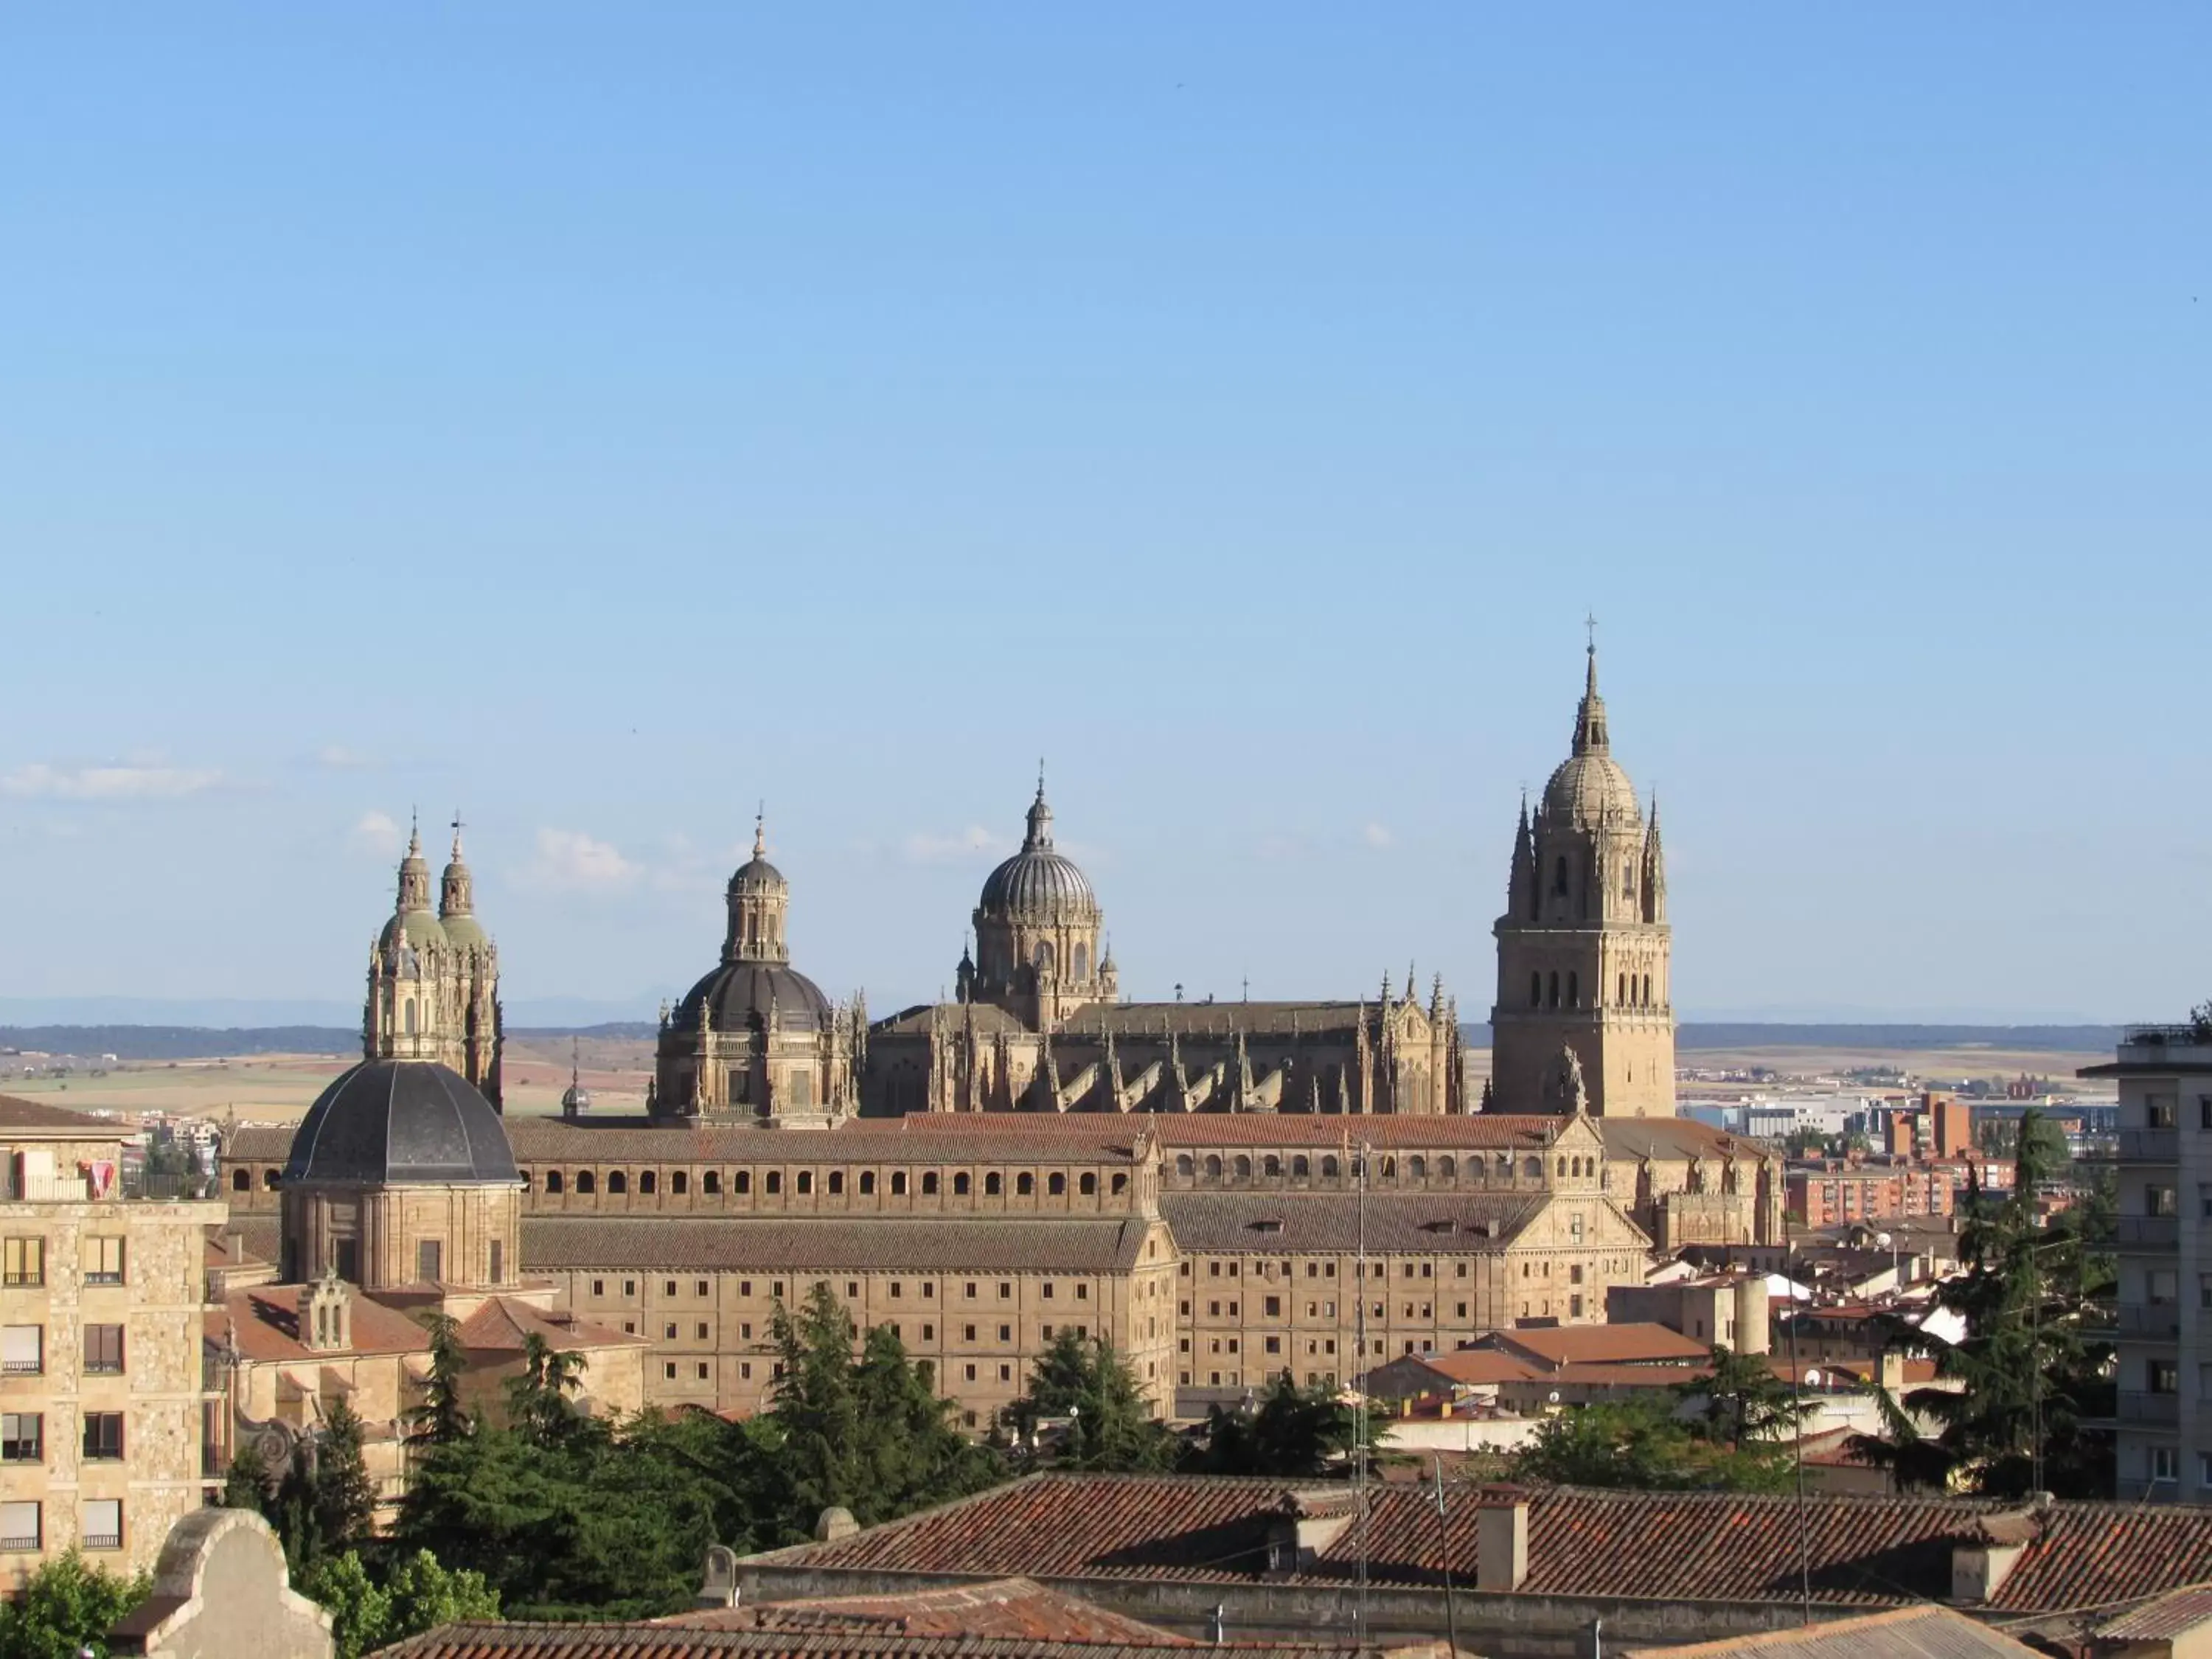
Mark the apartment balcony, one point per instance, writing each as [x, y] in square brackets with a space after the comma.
[2156, 1320]
[2150, 1145]
[161, 1186]
[2153, 1232]
[2136, 1406]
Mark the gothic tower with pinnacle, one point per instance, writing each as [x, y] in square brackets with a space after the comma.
[434, 976]
[1584, 1019]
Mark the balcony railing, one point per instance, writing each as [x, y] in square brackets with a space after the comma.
[2155, 1319]
[25, 1545]
[21, 1367]
[44, 1189]
[2163, 1232]
[2180, 1036]
[103, 1541]
[2137, 1406]
[2150, 1145]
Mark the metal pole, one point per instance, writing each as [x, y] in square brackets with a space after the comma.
[1797, 1415]
[1444, 1555]
[1361, 1420]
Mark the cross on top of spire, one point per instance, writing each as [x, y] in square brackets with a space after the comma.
[760, 829]
[458, 827]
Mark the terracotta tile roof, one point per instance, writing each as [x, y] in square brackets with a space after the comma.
[1477, 1367]
[1005, 1606]
[1673, 1138]
[672, 1641]
[547, 1140]
[263, 1236]
[266, 1320]
[16, 1113]
[1279, 1223]
[1600, 1344]
[1862, 1551]
[2161, 1619]
[863, 1244]
[258, 1143]
[1586, 1375]
[1906, 1633]
[503, 1324]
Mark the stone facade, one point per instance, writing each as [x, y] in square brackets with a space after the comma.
[434, 976]
[458, 1233]
[102, 1304]
[1585, 1018]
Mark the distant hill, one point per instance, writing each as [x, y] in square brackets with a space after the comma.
[631, 1029]
[179, 1041]
[1745, 1034]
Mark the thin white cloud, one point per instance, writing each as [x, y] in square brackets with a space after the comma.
[973, 842]
[337, 758]
[1377, 836]
[38, 782]
[568, 860]
[377, 834]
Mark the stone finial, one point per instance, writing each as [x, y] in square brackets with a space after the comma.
[836, 1522]
[718, 1579]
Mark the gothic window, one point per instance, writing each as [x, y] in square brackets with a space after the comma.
[1647, 990]
[1620, 991]
[1555, 988]
[1559, 878]
[1082, 962]
[1535, 990]
[1574, 990]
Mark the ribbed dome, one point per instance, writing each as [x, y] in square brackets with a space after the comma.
[1036, 884]
[419, 929]
[1587, 787]
[757, 874]
[736, 996]
[392, 1122]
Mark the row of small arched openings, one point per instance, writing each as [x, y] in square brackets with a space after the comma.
[1631, 991]
[586, 1183]
[1271, 1167]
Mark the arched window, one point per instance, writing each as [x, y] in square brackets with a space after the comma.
[1024, 1184]
[1243, 1167]
[1056, 1184]
[1555, 988]
[1088, 1185]
[929, 1183]
[712, 1183]
[585, 1183]
[1213, 1166]
[960, 1184]
[992, 1187]
[679, 1183]
[1574, 990]
[617, 1181]
[744, 1181]
[1271, 1166]
[1533, 1168]
[241, 1181]
[1301, 1167]
[898, 1184]
[1535, 990]
[1082, 960]
[552, 1180]
[867, 1183]
[1563, 1166]
[774, 1184]
[837, 1183]
[1447, 1168]
[1504, 1166]
[1620, 990]
[1120, 1185]
[807, 1181]
[1418, 1167]
[269, 1178]
[1043, 958]
[1389, 1169]
[1647, 991]
[1186, 1166]
[410, 1017]
[647, 1181]
[1328, 1170]
[1559, 878]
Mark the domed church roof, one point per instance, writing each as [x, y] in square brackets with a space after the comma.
[1037, 883]
[757, 874]
[736, 996]
[1590, 785]
[390, 1123]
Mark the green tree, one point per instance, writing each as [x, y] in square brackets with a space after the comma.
[419, 1594]
[1111, 1425]
[537, 1401]
[1742, 1402]
[66, 1608]
[360, 1610]
[1292, 1432]
[2029, 1375]
[248, 1486]
[438, 1419]
[344, 1495]
[1639, 1443]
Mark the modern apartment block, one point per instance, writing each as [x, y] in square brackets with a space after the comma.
[2164, 1305]
[102, 1399]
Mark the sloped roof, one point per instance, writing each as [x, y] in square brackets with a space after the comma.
[555, 1140]
[266, 1323]
[1462, 1224]
[806, 1244]
[2162, 1619]
[16, 1113]
[504, 1325]
[1906, 1633]
[672, 1641]
[1321, 1132]
[1602, 1345]
[1018, 1607]
[1866, 1552]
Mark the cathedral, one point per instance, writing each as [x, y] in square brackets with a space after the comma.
[434, 976]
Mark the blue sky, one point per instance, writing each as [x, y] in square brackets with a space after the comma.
[605, 418]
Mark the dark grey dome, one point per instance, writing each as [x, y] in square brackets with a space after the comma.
[1037, 882]
[396, 1121]
[736, 995]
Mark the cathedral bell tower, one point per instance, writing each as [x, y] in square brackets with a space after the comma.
[434, 976]
[1584, 1019]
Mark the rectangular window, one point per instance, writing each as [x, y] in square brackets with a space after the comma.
[103, 1523]
[429, 1261]
[2160, 1201]
[971, 1373]
[19, 1527]
[2163, 1462]
[669, 1330]
[668, 1370]
[2159, 1111]
[702, 1330]
[26, 1262]
[699, 1287]
[103, 1349]
[103, 1262]
[703, 1371]
[1005, 1373]
[745, 1372]
[498, 1260]
[598, 1287]
[1274, 1307]
[1005, 1290]
[103, 1436]
[1006, 1332]
[2165, 1376]
[23, 1437]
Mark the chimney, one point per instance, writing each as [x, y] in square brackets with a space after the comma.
[1752, 1314]
[234, 1246]
[1501, 1560]
[718, 1583]
[1303, 1524]
[1982, 1558]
